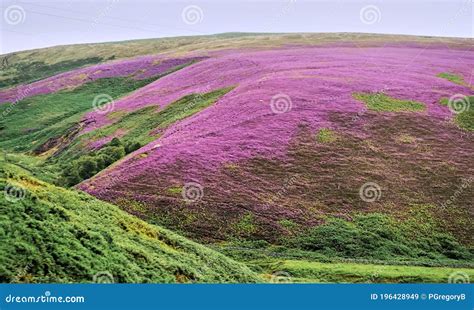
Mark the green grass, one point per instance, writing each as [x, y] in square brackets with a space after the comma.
[53, 234]
[326, 135]
[457, 79]
[308, 271]
[465, 117]
[139, 125]
[27, 72]
[35, 120]
[416, 239]
[382, 103]
[378, 236]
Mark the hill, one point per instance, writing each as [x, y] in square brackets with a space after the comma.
[52, 234]
[325, 147]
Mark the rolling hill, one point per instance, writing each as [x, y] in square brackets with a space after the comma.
[316, 147]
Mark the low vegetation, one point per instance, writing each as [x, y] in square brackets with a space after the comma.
[381, 102]
[326, 135]
[455, 78]
[464, 111]
[37, 119]
[52, 234]
[27, 72]
[346, 272]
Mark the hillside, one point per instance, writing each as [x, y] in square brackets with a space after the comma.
[271, 149]
[51, 234]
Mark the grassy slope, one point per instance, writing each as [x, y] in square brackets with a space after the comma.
[28, 72]
[56, 235]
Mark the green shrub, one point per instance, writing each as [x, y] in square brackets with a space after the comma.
[378, 236]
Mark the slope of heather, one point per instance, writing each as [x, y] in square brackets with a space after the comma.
[326, 145]
[51, 234]
[28, 66]
[256, 157]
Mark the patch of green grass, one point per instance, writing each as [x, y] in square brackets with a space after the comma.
[35, 120]
[326, 135]
[175, 190]
[308, 271]
[245, 226]
[464, 105]
[139, 125]
[380, 102]
[457, 79]
[52, 234]
[465, 120]
[27, 72]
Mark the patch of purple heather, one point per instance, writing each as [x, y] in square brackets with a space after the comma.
[140, 68]
[318, 81]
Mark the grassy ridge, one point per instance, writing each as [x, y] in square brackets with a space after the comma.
[53, 234]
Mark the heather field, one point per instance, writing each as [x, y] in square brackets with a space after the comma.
[240, 158]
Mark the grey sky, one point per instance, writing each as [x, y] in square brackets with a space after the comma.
[28, 24]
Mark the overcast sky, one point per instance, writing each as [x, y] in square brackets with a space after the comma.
[28, 24]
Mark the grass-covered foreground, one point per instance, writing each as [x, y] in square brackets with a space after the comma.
[308, 271]
[52, 234]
